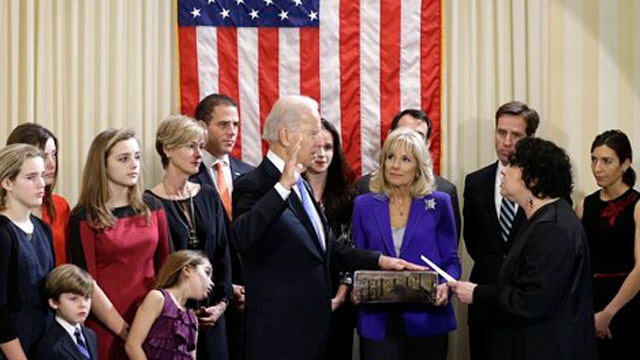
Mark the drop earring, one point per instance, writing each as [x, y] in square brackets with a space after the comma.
[530, 201]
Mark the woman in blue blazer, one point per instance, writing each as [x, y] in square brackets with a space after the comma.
[403, 217]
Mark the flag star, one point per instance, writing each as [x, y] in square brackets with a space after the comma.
[313, 16]
[195, 12]
[211, 1]
[238, 2]
[283, 15]
[225, 13]
[268, 2]
[297, 2]
[254, 14]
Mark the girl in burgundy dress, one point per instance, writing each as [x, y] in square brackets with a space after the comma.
[118, 235]
[164, 328]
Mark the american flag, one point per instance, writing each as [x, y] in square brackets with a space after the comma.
[362, 60]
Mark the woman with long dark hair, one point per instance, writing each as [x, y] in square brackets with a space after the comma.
[332, 182]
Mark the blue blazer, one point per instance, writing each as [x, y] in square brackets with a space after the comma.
[430, 230]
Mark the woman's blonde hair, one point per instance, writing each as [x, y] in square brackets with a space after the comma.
[175, 131]
[95, 193]
[12, 157]
[412, 142]
[169, 273]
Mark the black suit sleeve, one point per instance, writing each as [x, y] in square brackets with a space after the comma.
[471, 225]
[453, 193]
[222, 262]
[346, 258]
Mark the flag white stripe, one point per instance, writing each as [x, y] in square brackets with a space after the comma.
[330, 62]
[410, 54]
[207, 52]
[249, 95]
[370, 83]
[289, 61]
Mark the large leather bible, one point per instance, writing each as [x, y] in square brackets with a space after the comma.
[395, 286]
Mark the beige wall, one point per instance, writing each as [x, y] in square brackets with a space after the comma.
[78, 67]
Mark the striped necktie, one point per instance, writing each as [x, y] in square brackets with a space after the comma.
[82, 347]
[507, 213]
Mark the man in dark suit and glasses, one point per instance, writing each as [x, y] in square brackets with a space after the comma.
[486, 240]
[219, 113]
[285, 244]
[418, 121]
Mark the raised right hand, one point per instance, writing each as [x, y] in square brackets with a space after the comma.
[292, 168]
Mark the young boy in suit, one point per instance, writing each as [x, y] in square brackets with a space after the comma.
[68, 290]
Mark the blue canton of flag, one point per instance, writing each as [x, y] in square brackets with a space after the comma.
[249, 13]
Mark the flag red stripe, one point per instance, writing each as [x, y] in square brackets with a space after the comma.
[310, 63]
[268, 78]
[350, 82]
[189, 84]
[430, 64]
[228, 61]
[228, 71]
[389, 64]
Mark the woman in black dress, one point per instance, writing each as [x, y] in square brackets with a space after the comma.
[610, 217]
[196, 222]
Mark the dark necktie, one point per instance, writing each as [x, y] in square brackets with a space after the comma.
[507, 213]
[308, 208]
[82, 347]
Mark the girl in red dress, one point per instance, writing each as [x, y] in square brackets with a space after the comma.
[118, 235]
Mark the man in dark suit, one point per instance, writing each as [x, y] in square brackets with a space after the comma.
[417, 120]
[219, 113]
[285, 243]
[483, 237]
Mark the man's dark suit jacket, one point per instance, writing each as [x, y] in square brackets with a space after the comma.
[57, 344]
[288, 284]
[442, 185]
[238, 168]
[485, 246]
[233, 319]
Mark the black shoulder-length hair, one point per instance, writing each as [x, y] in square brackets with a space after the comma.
[546, 167]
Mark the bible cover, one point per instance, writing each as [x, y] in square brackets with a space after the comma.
[395, 286]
